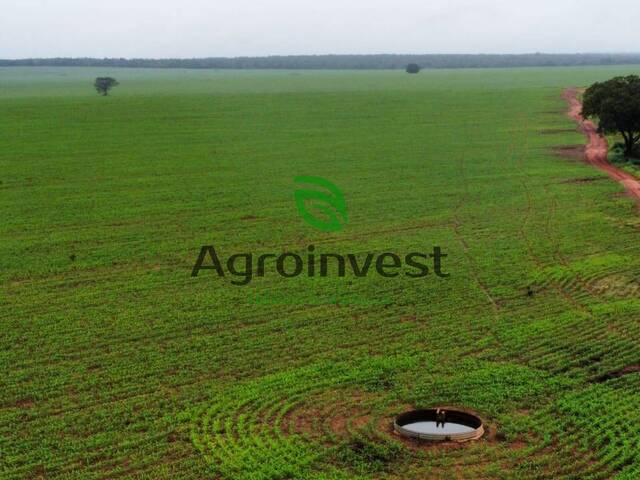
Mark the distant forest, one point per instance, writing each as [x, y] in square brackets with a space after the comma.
[341, 62]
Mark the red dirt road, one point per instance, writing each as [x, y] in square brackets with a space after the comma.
[597, 148]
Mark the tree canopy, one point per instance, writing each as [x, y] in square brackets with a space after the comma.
[104, 84]
[413, 68]
[616, 105]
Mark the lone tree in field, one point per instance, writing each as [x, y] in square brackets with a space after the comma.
[104, 84]
[616, 104]
[413, 68]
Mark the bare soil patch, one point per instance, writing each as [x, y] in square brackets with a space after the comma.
[584, 180]
[555, 131]
[317, 417]
[574, 152]
[618, 373]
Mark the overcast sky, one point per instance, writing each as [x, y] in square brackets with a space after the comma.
[200, 28]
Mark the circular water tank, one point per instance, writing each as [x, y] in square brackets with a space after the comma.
[439, 424]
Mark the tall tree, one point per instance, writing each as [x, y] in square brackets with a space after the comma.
[616, 105]
[413, 68]
[104, 84]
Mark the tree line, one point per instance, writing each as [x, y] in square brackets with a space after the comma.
[341, 62]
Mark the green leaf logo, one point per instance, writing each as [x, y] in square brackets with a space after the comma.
[326, 202]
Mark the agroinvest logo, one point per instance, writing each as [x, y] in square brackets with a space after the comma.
[328, 200]
[322, 205]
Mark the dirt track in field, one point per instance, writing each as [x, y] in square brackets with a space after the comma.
[597, 148]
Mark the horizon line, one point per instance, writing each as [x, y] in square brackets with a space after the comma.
[317, 55]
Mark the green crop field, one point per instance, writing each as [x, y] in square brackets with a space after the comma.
[116, 363]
